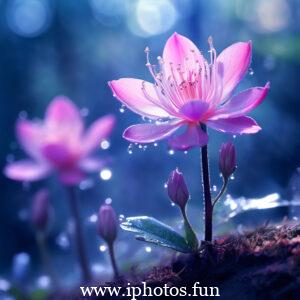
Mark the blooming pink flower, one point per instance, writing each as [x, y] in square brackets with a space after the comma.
[59, 143]
[188, 90]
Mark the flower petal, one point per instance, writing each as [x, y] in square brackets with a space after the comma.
[193, 111]
[26, 170]
[242, 103]
[63, 115]
[71, 176]
[179, 50]
[130, 92]
[30, 136]
[98, 131]
[194, 136]
[91, 164]
[60, 156]
[234, 62]
[237, 125]
[148, 133]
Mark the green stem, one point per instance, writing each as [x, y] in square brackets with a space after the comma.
[78, 235]
[113, 259]
[222, 191]
[42, 245]
[190, 235]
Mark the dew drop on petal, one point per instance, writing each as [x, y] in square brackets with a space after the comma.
[214, 188]
[172, 204]
[251, 72]
[232, 177]
[105, 174]
[102, 248]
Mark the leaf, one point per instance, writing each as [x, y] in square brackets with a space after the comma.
[153, 231]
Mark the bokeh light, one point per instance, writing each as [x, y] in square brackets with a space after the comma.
[28, 18]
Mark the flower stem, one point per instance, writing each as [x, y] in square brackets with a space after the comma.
[190, 234]
[113, 259]
[222, 191]
[78, 235]
[41, 242]
[208, 207]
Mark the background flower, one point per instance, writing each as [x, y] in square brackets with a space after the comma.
[59, 143]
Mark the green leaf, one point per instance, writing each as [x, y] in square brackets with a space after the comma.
[153, 231]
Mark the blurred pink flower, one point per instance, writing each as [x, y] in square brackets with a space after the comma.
[59, 143]
[188, 90]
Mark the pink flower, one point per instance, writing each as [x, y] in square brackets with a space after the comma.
[189, 91]
[59, 143]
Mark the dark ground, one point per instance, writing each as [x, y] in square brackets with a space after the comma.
[260, 264]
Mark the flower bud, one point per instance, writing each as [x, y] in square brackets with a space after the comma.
[40, 209]
[107, 223]
[227, 160]
[177, 189]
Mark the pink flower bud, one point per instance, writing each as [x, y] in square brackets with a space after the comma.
[177, 189]
[40, 209]
[107, 223]
[227, 160]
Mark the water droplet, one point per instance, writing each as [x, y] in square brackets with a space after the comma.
[108, 201]
[129, 149]
[93, 218]
[185, 152]
[102, 248]
[232, 177]
[23, 114]
[140, 146]
[148, 249]
[121, 218]
[155, 144]
[214, 188]
[172, 204]
[62, 240]
[4, 285]
[171, 152]
[122, 109]
[234, 136]
[10, 158]
[86, 184]
[165, 185]
[105, 144]
[145, 147]
[106, 174]
[84, 112]
[251, 72]
[44, 282]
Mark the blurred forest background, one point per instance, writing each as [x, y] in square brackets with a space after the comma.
[72, 48]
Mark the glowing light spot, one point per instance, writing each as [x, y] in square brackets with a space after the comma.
[148, 249]
[102, 248]
[108, 201]
[93, 218]
[28, 18]
[105, 144]
[105, 174]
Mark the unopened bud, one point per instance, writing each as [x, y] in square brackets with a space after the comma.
[227, 160]
[177, 189]
[107, 223]
[40, 209]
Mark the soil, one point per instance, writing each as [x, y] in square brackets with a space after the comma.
[259, 264]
